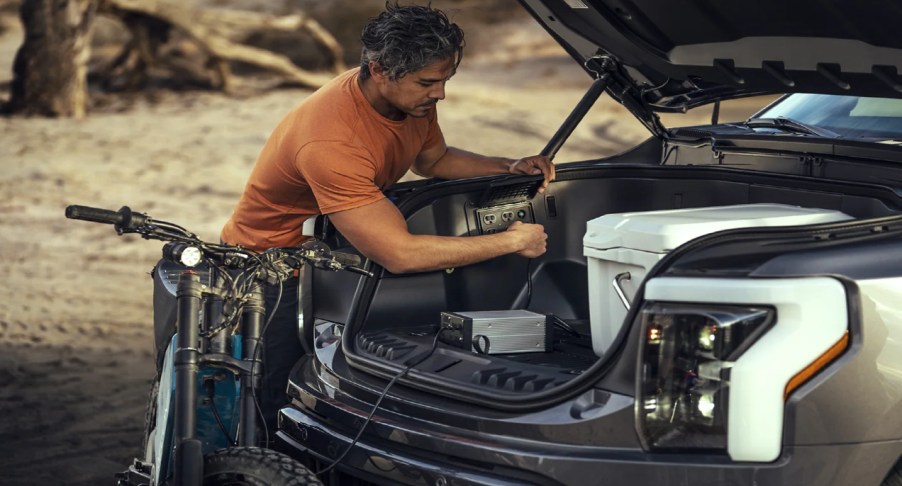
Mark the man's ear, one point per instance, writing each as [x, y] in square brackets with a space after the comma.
[377, 73]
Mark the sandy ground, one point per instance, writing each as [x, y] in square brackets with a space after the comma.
[75, 316]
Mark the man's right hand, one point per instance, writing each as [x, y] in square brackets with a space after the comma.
[390, 244]
[531, 238]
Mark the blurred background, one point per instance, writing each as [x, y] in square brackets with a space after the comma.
[168, 129]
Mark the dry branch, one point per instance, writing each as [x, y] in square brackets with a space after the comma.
[216, 32]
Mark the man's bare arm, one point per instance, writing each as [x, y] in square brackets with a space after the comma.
[379, 231]
[453, 163]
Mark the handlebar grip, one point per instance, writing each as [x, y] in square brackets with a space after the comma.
[125, 219]
[95, 215]
[347, 259]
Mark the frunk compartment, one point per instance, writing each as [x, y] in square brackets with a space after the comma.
[620, 249]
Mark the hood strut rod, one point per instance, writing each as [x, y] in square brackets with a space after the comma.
[563, 133]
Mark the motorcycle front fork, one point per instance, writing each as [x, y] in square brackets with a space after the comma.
[187, 360]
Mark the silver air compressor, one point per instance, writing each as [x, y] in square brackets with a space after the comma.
[497, 332]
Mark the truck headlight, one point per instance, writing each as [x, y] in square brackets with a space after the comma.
[687, 351]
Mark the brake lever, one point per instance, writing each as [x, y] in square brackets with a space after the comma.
[350, 262]
[320, 255]
[360, 271]
[335, 264]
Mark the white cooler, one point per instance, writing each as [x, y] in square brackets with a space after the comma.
[634, 242]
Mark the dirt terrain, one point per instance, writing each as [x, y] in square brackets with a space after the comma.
[75, 316]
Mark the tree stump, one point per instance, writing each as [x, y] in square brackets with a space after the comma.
[50, 69]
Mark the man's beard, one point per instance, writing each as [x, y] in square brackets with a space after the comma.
[417, 114]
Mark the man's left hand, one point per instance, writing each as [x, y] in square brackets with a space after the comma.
[534, 165]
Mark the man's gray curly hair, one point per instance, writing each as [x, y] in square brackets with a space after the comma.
[404, 39]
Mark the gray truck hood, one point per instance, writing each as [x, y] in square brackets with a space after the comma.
[668, 55]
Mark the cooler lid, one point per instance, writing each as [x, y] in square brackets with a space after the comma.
[662, 231]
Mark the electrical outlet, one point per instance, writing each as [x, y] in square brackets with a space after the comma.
[495, 219]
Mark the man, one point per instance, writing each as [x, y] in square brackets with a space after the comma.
[338, 150]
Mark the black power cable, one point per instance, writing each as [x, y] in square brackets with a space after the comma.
[557, 321]
[259, 346]
[369, 417]
[403, 372]
[211, 393]
[254, 362]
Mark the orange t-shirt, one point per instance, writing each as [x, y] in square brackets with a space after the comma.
[333, 152]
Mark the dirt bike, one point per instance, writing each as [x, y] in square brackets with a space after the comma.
[202, 417]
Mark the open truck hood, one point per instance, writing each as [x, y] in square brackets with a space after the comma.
[666, 56]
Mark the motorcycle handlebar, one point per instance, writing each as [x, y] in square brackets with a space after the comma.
[124, 218]
[126, 221]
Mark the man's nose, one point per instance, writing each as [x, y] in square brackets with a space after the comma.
[438, 92]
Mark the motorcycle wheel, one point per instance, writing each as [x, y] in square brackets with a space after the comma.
[150, 418]
[894, 478]
[255, 466]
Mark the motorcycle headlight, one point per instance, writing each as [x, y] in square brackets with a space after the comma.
[183, 254]
[687, 351]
